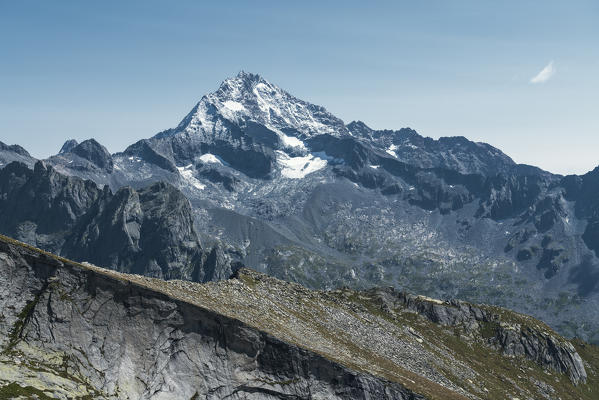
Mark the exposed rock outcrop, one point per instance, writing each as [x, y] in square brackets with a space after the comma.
[148, 231]
[68, 146]
[514, 334]
[94, 152]
[73, 331]
[10, 153]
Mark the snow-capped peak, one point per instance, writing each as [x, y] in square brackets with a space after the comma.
[248, 96]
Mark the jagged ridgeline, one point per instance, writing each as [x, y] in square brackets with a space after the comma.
[148, 231]
[72, 330]
[285, 187]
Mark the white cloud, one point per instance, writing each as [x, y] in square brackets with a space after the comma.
[545, 74]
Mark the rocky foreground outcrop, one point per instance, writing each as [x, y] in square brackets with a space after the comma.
[71, 330]
[513, 334]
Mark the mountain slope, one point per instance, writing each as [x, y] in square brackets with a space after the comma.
[12, 153]
[257, 337]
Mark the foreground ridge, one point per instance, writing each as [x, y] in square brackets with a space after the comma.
[76, 330]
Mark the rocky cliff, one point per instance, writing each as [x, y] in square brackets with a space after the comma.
[75, 330]
[147, 231]
[14, 152]
[71, 330]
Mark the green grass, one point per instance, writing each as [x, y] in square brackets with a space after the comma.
[19, 325]
[14, 391]
[488, 330]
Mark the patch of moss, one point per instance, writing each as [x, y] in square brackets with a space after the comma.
[19, 325]
[488, 330]
[14, 391]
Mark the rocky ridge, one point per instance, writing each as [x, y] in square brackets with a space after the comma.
[10, 153]
[76, 331]
[257, 337]
[148, 231]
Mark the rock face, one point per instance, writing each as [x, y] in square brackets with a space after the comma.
[70, 331]
[68, 146]
[10, 153]
[95, 153]
[148, 231]
[73, 332]
[40, 206]
[513, 338]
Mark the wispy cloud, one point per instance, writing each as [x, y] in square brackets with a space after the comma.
[545, 74]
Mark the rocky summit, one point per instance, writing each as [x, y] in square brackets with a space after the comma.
[73, 330]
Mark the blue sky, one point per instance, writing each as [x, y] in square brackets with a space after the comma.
[120, 71]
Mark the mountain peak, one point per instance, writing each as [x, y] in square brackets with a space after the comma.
[241, 86]
[68, 146]
[359, 128]
[248, 76]
[94, 152]
[250, 97]
[15, 148]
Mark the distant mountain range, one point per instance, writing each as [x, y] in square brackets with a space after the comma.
[257, 177]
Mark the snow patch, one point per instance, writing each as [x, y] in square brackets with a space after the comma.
[299, 167]
[234, 105]
[391, 150]
[187, 174]
[374, 166]
[210, 159]
[291, 141]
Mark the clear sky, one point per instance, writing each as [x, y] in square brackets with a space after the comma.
[520, 75]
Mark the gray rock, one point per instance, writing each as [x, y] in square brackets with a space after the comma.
[528, 339]
[148, 231]
[68, 146]
[120, 340]
[10, 153]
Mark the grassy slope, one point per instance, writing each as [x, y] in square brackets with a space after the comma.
[496, 376]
